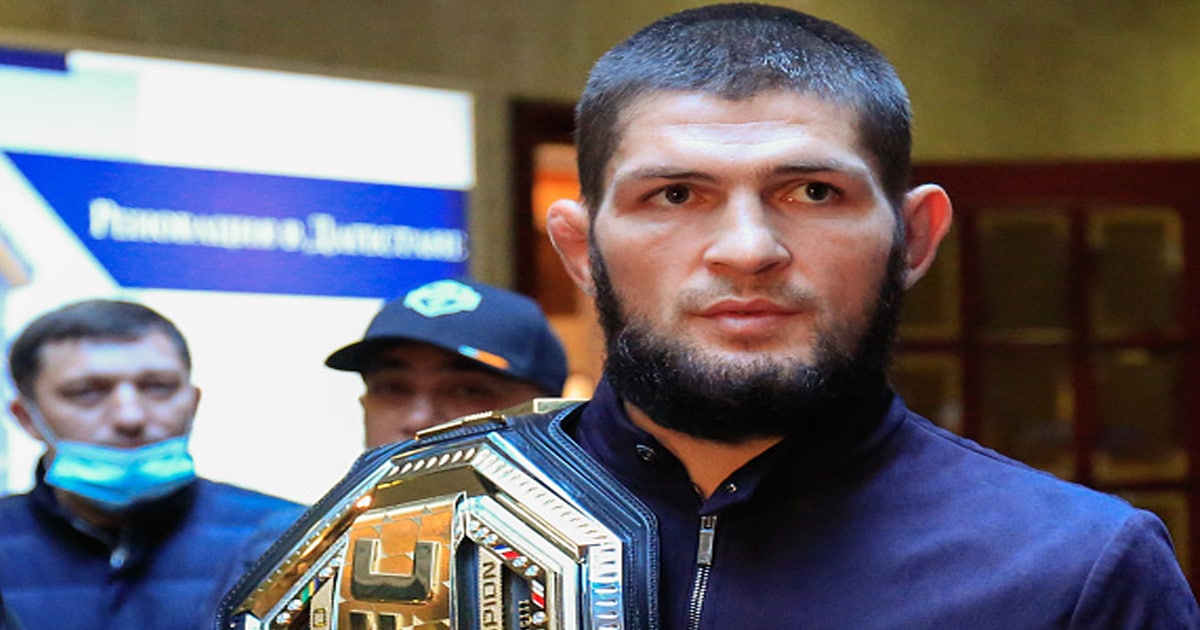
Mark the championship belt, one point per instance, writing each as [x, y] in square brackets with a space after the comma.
[492, 521]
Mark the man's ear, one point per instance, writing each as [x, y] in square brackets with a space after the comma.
[21, 412]
[195, 405]
[567, 223]
[927, 214]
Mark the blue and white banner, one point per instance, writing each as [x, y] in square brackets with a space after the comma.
[168, 227]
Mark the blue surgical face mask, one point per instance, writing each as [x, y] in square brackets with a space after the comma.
[117, 479]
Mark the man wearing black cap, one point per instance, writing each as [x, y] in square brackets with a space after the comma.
[448, 349]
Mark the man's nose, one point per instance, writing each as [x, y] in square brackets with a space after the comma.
[128, 409]
[746, 240]
[423, 411]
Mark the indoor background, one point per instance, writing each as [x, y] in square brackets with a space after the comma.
[1020, 79]
[1068, 132]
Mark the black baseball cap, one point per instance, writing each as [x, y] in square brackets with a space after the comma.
[503, 331]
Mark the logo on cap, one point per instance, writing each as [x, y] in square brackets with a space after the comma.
[443, 297]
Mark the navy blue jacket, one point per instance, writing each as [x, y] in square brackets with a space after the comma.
[167, 568]
[899, 525]
[8, 621]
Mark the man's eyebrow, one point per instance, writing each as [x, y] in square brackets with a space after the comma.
[86, 379]
[854, 169]
[108, 375]
[159, 372]
[662, 172]
[850, 168]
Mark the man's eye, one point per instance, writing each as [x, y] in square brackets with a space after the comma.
[812, 192]
[472, 390]
[84, 394]
[816, 191]
[387, 389]
[161, 389]
[677, 195]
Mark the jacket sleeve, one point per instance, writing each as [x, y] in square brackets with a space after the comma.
[1136, 582]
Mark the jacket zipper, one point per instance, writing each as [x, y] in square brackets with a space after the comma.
[704, 558]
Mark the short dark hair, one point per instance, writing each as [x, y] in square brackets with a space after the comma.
[736, 51]
[89, 319]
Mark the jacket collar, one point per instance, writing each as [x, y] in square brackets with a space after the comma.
[141, 523]
[810, 459]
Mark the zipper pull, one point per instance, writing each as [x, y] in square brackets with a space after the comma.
[708, 534]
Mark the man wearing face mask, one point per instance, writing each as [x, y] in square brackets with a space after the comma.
[118, 532]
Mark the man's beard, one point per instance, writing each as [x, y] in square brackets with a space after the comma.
[681, 389]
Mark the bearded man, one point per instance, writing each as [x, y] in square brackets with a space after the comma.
[747, 229]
